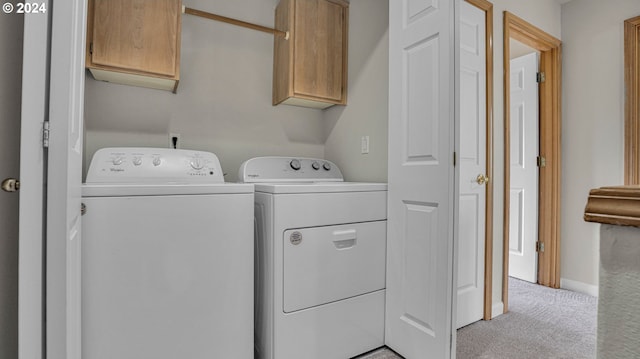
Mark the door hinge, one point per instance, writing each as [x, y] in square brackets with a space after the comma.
[540, 77]
[455, 159]
[539, 246]
[45, 134]
[541, 161]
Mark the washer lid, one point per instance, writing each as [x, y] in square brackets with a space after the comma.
[167, 189]
[320, 187]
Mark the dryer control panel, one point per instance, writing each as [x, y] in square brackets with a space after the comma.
[288, 169]
[154, 165]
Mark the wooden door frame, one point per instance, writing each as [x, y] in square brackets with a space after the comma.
[631, 105]
[549, 175]
[487, 8]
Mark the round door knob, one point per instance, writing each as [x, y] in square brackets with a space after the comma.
[10, 185]
[482, 179]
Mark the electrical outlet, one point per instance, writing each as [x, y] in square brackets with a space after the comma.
[364, 144]
[174, 140]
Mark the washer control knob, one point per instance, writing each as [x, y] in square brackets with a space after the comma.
[117, 161]
[156, 161]
[326, 166]
[295, 164]
[315, 165]
[137, 161]
[196, 164]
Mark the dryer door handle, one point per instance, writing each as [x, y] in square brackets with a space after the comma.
[344, 239]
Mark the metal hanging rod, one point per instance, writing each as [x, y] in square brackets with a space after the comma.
[228, 20]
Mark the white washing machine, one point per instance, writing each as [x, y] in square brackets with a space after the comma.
[167, 257]
[320, 260]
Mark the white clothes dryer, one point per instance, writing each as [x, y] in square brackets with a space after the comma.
[167, 257]
[320, 260]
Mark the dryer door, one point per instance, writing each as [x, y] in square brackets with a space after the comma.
[326, 264]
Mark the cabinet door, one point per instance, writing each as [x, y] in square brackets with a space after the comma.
[137, 35]
[320, 44]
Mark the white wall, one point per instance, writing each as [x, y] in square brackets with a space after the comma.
[223, 102]
[593, 122]
[367, 111]
[11, 28]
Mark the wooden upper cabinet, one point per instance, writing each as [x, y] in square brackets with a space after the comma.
[135, 42]
[310, 67]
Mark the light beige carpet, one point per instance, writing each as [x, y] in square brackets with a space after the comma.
[541, 323]
[382, 353]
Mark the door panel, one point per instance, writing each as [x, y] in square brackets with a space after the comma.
[421, 178]
[325, 264]
[473, 163]
[10, 72]
[63, 230]
[34, 112]
[120, 39]
[523, 212]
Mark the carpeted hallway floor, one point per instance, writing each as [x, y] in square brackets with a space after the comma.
[541, 323]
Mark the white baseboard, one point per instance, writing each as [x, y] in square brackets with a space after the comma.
[497, 309]
[577, 286]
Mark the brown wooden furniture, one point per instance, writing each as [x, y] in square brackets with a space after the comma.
[135, 42]
[310, 68]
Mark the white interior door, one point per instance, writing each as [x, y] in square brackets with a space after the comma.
[32, 161]
[66, 101]
[523, 212]
[473, 164]
[11, 74]
[420, 236]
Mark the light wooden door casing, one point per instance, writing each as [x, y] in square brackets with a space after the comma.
[138, 35]
[420, 236]
[310, 67]
[523, 217]
[473, 163]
